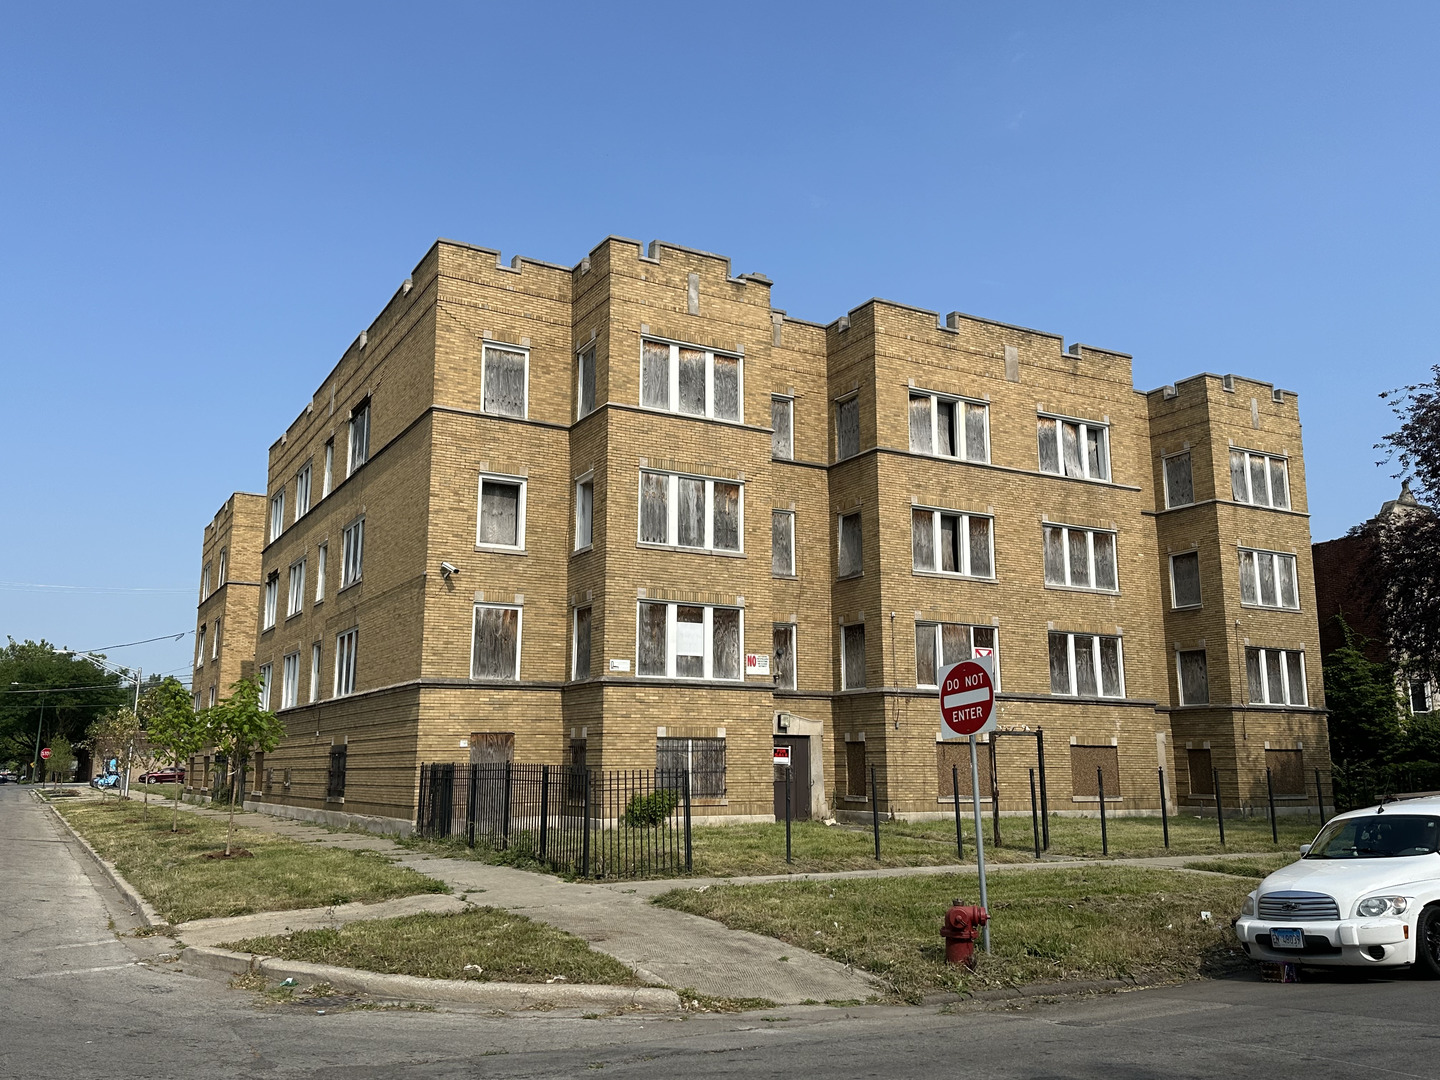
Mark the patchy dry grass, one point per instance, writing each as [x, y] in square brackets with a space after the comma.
[505, 947]
[1049, 925]
[1258, 866]
[169, 869]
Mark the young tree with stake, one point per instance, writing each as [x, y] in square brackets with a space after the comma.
[238, 727]
[174, 730]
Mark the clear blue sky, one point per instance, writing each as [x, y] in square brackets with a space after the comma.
[203, 207]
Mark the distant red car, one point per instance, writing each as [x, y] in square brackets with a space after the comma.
[164, 776]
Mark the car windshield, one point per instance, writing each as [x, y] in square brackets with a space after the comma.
[1380, 836]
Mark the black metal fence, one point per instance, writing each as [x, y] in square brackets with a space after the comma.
[588, 822]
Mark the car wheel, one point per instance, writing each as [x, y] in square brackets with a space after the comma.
[1427, 943]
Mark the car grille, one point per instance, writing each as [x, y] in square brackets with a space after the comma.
[1299, 906]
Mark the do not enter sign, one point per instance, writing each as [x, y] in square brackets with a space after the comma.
[967, 698]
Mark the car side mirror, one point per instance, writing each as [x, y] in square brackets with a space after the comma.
[1304, 850]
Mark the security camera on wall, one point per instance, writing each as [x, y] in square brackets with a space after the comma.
[448, 568]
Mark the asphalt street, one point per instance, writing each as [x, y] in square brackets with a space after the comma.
[76, 1000]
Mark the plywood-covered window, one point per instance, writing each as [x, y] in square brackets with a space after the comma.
[691, 380]
[955, 755]
[951, 427]
[1267, 579]
[1088, 764]
[1185, 579]
[702, 759]
[847, 428]
[504, 376]
[1202, 776]
[689, 641]
[784, 656]
[946, 542]
[782, 543]
[1080, 558]
[1078, 448]
[585, 382]
[1193, 675]
[1086, 665]
[852, 656]
[1179, 484]
[1259, 479]
[782, 428]
[938, 645]
[1287, 771]
[857, 776]
[502, 512]
[850, 560]
[496, 647]
[691, 511]
[1275, 676]
[581, 666]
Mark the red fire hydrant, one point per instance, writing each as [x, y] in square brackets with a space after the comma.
[960, 929]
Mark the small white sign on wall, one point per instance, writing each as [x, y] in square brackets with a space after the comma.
[619, 665]
[757, 663]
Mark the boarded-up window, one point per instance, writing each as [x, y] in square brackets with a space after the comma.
[976, 420]
[1202, 777]
[957, 755]
[582, 643]
[501, 512]
[726, 515]
[785, 656]
[1194, 678]
[857, 778]
[689, 642]
[692, 382]
[850, 545]
[1084, 761]
[1179, 489]
[1287, 771]
[1055, 556]
[335, 781]
[1105, 572]
[690, 514]
[782, 543]
[847, 429]
[725, 655]
[497, 643]
[726, 389]
[853, 656]
[927, 671]
[980, 565]
[504, 376]
[782, 421]
[703, 759]
[922, 538]
[920, 420]
[651, 660]
[1185, 579]
[492, 747]
[654, 508]
[655, 375]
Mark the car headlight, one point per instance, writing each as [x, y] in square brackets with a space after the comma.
[1372, 906]
[1248, 908]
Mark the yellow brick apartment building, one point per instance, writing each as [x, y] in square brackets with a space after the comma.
[628, 514]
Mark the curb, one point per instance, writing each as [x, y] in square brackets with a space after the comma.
[210, 962]
[148, 915]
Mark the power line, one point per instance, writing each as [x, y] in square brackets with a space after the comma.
[86, 588]
[162, 637]
[62, 689]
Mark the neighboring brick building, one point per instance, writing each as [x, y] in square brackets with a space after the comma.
[628, 510]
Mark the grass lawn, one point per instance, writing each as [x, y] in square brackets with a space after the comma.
[1258, 867]
[506, 947]
[168, 868]
[1048, 925]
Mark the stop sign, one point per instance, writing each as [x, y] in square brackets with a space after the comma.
[45, 754]
[967, 698]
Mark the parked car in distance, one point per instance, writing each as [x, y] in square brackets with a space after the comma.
[164, 776]
[1365, 893]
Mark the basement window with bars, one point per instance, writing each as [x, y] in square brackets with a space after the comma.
[782, 543]
[1193, 677]
[1185, 580]
[1078, 448]
[501, 522]
[1275, 676]
[703, 759]
[782, 428]
[1259, 479]
[504, 378]
[945, 542]
[849, 562]
[1179, 484]
[938, 645]
[691, 380]
[784, 672]
[691, 512]
[689, 641]
[847, 427]
[1086, 665]
[949, 427]
[1267, 579]
[496, 645]
[1080, 558]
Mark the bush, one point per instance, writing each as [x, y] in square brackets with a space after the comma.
[647, 811]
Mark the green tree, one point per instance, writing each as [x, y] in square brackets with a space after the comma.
[239, 727]
[1365, 708]
[75, 691]
[62, 759]
[172, 728]
[114, 734]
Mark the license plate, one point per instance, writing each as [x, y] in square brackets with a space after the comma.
[1287, 939]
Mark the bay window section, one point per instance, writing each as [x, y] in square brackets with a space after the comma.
[691, 380]
[1267, 579]
[938, 645]
[949, 427]
[1080, 558]
[951, 543]
[1275, 676]
[1079, 448]
[495, 652]
[1259, 479]
[690, 512]
[689, 641]
[1086, 665]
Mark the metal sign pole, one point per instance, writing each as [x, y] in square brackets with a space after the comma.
[979, 833]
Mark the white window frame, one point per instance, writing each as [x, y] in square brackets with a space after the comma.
[315, 672]
[940, 652]
[220, 574]
[1065, 531]
[290, 680]
[794, 631]
[277, 515]
[352, 553]
[964, 516]
[212, 697]
[585, 350]
[789, 403]
[1165, 460]
[346, 646]
[844, 674]
[575, 643]
[707, 638]
[1085, 426]
[524, 350]
[358, 450]
[794, 554]
[205, 582]
[303, 480]
[672, 510]
[673, 390]
[959, 402]
[519, 635]
[1285, 654]
[295, 597]
[1275, 557]
[200, 645]
[329, 479]
[265, 674]
[215, 642]
[588, 480]
[322, 556]
[1074, 691]
[1180, 676]
[272, 601]
[1250, 499]
[1175, 604]
[840, 575]
[509, 481]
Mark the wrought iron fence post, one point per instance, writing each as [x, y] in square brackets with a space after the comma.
[1164, 810]
[1320, 796]
[585, 842]
[505, 819]
[688, 852]
[1044, 792]
[995, 788]
[875, 811]
[1034, 814]
[1270, 793]
[470, 800]
[787, 813]
[420, 803]
[1104, 835]
[544, 811]
[1219, 809]
[959, 836]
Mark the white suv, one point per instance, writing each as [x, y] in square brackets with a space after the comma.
[1366, 892]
